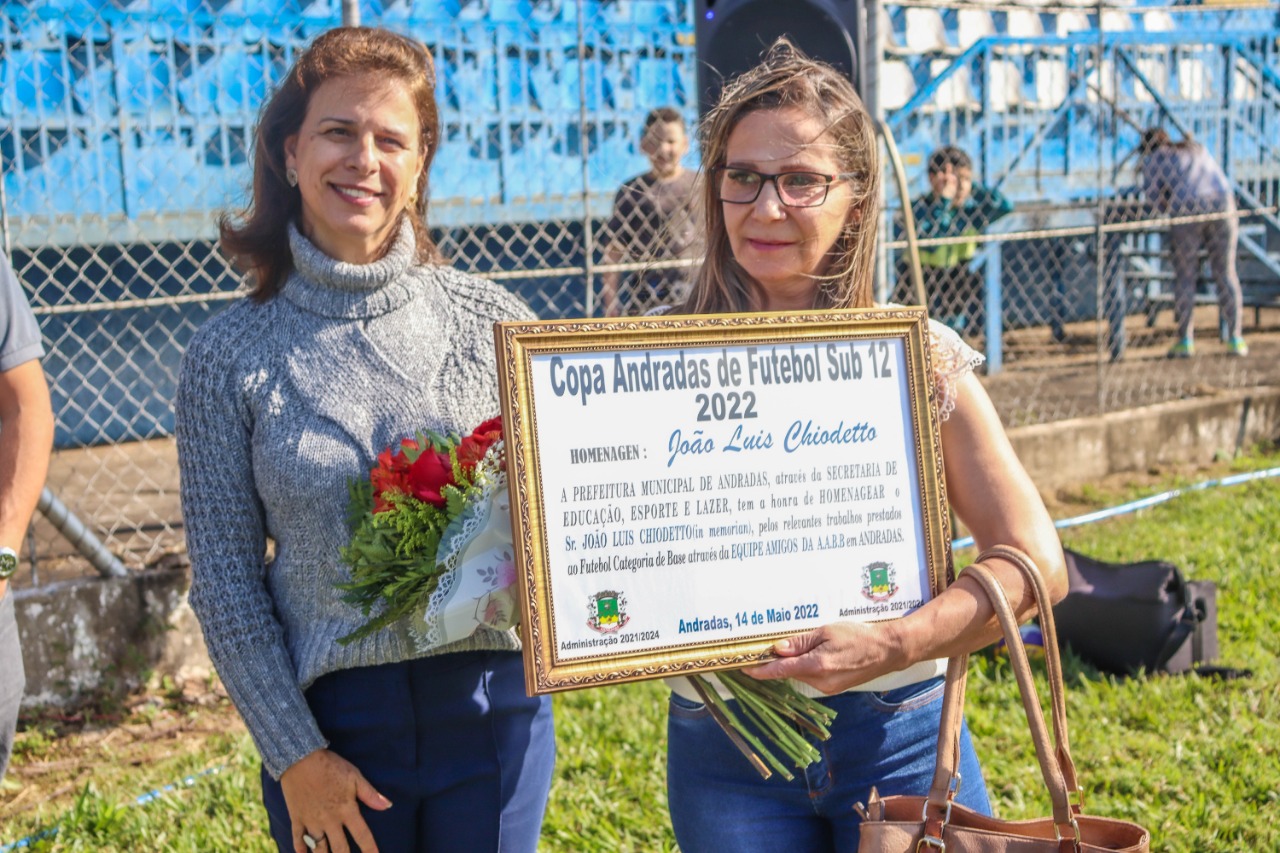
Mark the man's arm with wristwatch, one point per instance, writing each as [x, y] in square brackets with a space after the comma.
[26, 438]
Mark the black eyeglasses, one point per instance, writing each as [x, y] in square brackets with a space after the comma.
[736, 185]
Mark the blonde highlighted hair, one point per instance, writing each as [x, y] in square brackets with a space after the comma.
[788, 79]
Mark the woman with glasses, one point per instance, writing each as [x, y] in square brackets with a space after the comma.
[790, 219]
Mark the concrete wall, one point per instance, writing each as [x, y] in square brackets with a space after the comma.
[111, 634]
[1199, 430]
[107, 634]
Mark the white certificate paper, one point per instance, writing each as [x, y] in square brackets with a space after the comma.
[715, 494]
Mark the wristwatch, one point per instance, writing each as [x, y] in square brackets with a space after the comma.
[8, 563]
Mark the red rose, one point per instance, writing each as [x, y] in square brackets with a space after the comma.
[491, 427]
[471, 450]
[391, 475]
[397, 460]
[386, 483]
[431, 473]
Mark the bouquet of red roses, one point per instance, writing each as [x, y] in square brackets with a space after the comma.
[431, 541]
[431, 538]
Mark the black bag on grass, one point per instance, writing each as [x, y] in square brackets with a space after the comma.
[1123, 617]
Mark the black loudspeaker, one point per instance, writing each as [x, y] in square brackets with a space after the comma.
[732, 35]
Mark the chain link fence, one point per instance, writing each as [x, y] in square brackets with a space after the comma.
[1061, 263]
[125, 129]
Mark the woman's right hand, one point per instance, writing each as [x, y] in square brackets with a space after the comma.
[323, 793]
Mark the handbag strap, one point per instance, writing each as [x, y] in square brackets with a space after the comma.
[1050, 768]
[1052, 657]
[1183, 628]
[946, 774]
[942, 790]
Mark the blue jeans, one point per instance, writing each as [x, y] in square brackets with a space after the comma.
[718, 802]
[453, 741]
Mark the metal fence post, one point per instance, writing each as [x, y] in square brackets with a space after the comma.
[588, 230]
[993, 300]
[89, 546]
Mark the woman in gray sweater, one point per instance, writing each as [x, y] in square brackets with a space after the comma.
[355, 336]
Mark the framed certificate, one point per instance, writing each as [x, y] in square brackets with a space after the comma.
[686, 490]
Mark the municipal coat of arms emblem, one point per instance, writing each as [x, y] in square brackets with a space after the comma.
[878, 581]
[607, 611]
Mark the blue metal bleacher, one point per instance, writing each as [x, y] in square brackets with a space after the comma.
[1019, 85]
[181, 83]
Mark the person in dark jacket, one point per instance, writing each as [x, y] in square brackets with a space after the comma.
[954, 207]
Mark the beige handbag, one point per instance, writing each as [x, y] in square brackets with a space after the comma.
[911, 824]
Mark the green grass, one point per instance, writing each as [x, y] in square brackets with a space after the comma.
[1194, 760]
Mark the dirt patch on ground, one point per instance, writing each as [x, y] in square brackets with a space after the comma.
[1047, 378]
[58, 751]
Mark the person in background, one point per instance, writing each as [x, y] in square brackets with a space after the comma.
[651, 221]
[791, 216]
[26, 437]
[1182, 179]
[355, 336]
[954, 207]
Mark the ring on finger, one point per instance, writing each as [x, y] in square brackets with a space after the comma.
[313, 842]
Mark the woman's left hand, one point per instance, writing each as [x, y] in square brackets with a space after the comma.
[323, 793]
[834, 657]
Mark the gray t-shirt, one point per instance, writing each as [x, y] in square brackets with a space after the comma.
[651, 217]
[19, 333]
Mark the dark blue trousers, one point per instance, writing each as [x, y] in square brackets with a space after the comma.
[453, 741]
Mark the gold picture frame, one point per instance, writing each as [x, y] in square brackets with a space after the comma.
[700, 466]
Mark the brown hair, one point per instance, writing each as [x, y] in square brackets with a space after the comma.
[948, 155]
[256, 239]
[787, 78]
[1153, 138]
[666, 115]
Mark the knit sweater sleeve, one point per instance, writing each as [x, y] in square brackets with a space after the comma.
[226, 536]
[488, 300]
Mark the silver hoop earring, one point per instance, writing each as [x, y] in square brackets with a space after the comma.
[291, 175]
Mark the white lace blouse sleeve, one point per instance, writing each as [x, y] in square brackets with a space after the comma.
[952, 360]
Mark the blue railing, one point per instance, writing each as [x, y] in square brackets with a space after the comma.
[1044, 115]
[1054, 122]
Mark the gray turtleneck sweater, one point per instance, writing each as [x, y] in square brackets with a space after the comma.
[279, 406]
